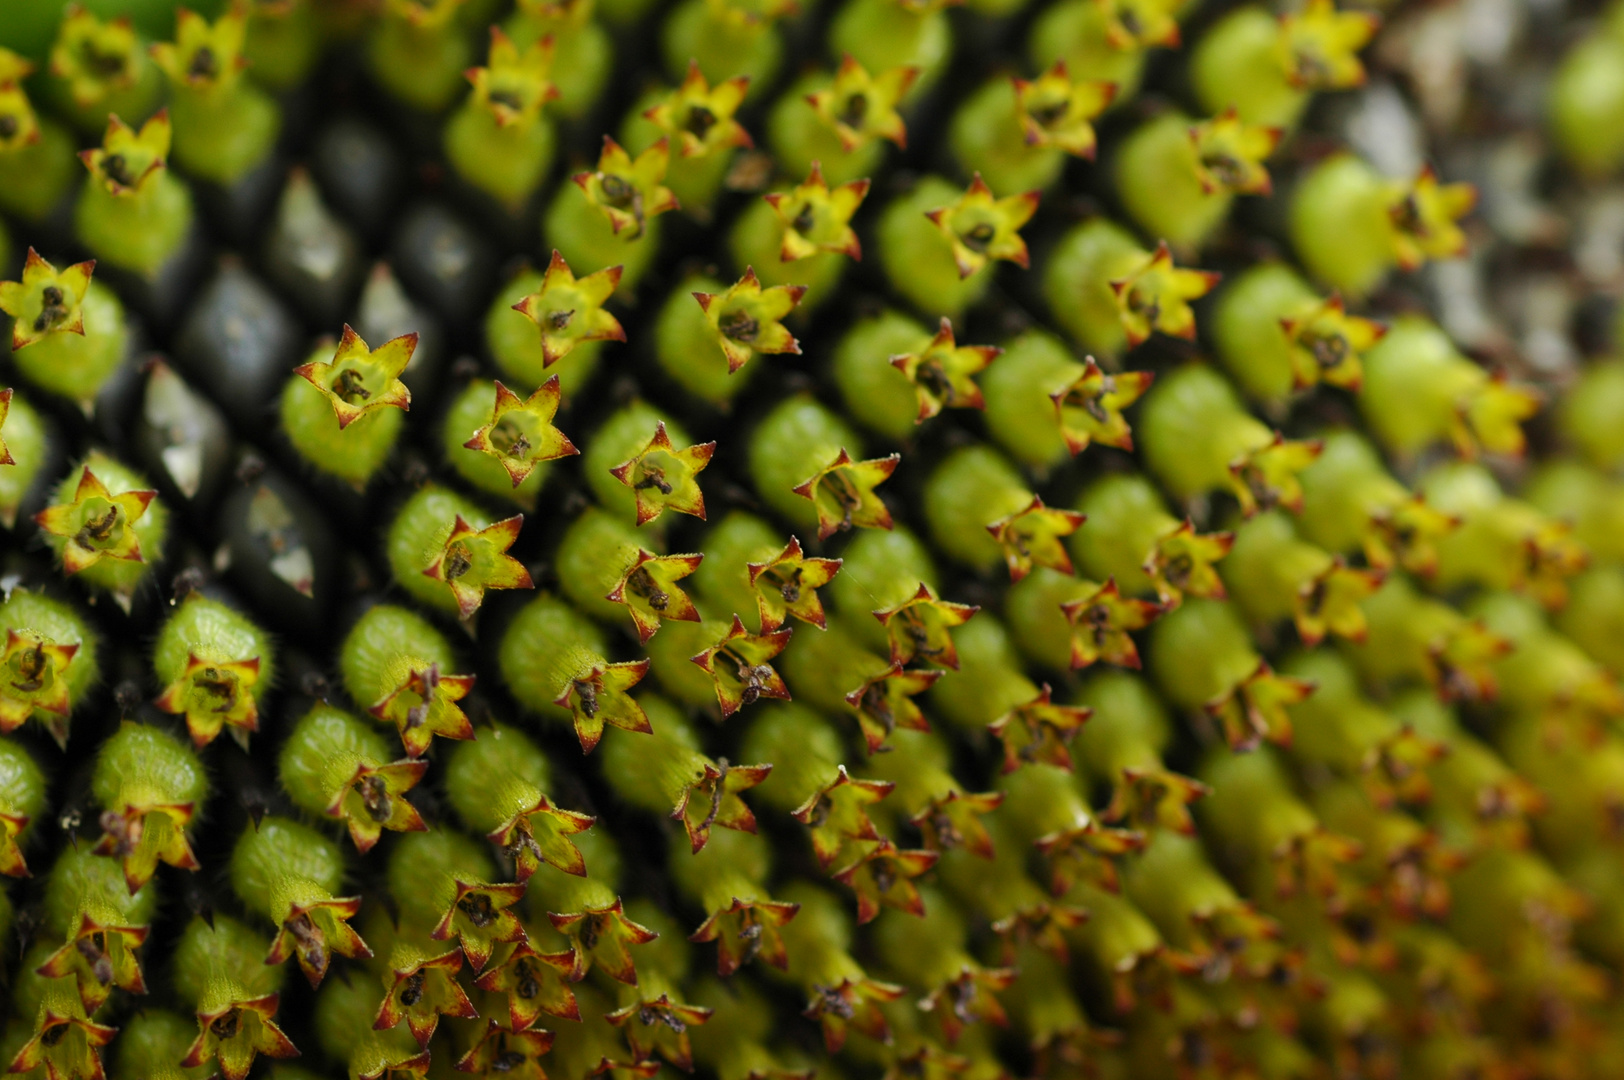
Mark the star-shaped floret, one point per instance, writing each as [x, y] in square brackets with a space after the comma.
[141, 836]
[213, 693]
[1056, 110]
[1041, 924]
[474, 560]
[662, 477]
[313, 930]
[65, 1046]
[1425, 216]
[746, 931]
[99, 957]
[649, 592]
[205, 57]
[507, 1051]
[1490, 418]
[540, 833]
[1582, 708]
[12, 863]
[1101, 625]
[520, 434]
[1329, 603]
[481, 918]
[93, 57]
[883, 876]
[512, 85]
[1551, 555]
[127, 159]
[629, 192]
[569, 311]
[788, 584]
[1265, 478]
[941, 372]
[598, 695]
[602, 936]
[1087, 852]
[1131, 25]
[1326, 344]
[861, 107]
[1255, 708]
[660, 1026]
[1225, 935]
[1033, 535]
[33, 675]
[1039, 730]
[45, 301]
[967, 998]
[918, 628]
[423, 704]
[534, 983]
[19, 123]
[359, 380]
[953, 820]
[981, 228]
[97, 524]
[1460, 666]
[1423, 889]
[712, 798]
[739, 666]
[374, 799]
[1152, 797]
[843, 493]
[817, 219]
[1156, 296]
[420, 991]
[701, 116]
[838, 812]
[884, 702]
[852, 1003]
[1090, 409]
[1320, 45]
[234, 1033]
[1313, 862]
[1229, 154]
[748, 319]
[1182, 564]
[1394, 771]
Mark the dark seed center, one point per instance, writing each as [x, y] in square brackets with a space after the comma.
[226, 1025]
[700, 121]
[458, 561]
[118, 170]
[479, 909]
[979, 237]
[204, 65]
[739, 326]
[350, 386]
[642, 583]
[375, 797]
